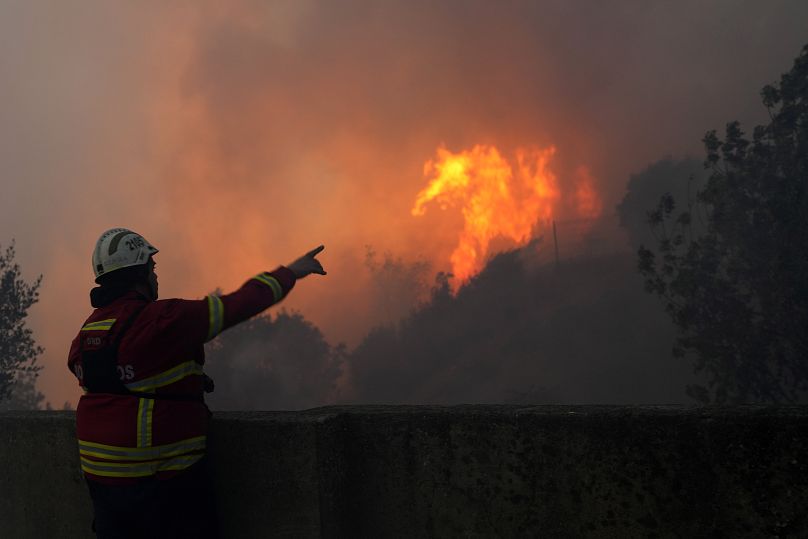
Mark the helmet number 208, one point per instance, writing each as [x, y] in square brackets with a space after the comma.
[134, 243]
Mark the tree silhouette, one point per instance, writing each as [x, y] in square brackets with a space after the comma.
[737, 291]
[25, 396]
[18, 350]
[681, 178]
[266, 364]
[522, 332]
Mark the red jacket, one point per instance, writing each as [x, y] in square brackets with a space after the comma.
[122, 437]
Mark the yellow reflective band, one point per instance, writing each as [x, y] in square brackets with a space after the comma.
[99, 325]
[145, 410]
[138, 469]
[174, 374]
[120, 453]
[272, 282]
[215, 316]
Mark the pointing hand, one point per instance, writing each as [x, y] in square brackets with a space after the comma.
[307, 264]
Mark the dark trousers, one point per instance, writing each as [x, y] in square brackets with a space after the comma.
[177, 508]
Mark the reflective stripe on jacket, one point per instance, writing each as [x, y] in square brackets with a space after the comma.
[122, 437]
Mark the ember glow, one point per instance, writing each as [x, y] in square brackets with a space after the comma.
[496, 198]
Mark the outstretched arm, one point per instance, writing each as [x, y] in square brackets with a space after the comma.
[247, 302]
[204, 319]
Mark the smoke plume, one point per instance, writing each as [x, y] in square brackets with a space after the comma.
[237, 136]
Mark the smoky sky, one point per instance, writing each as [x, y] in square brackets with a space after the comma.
[237, 136]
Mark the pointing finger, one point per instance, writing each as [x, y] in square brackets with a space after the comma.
[315, 252]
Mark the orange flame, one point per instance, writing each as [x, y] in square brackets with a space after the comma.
[495, 201]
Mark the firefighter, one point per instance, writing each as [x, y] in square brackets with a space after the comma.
[142, 422]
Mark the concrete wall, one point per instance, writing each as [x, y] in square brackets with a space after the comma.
[463, 471]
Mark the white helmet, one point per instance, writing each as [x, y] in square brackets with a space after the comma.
[120, 248]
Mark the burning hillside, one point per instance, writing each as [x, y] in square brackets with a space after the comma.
[511, 199]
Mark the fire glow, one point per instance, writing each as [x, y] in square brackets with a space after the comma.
[498, 199]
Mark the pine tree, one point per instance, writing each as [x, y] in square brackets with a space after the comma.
[18, 350]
